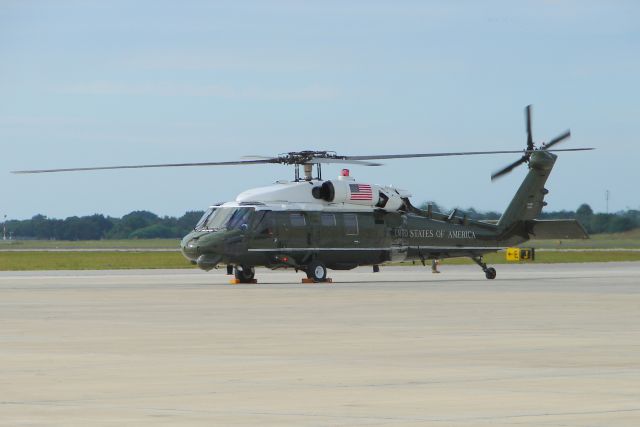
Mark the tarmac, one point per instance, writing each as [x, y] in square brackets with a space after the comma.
[541, 345]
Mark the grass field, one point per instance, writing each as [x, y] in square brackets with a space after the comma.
[42, 260]
[558, 257]
[33, 255]
[92, 244]
[627, 240]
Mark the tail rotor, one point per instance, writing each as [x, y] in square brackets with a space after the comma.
[531, 147]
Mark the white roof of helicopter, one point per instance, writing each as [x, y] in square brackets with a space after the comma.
[289, 196]
[299, 192]
[296, 195]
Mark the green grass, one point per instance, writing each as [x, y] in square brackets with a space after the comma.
[92, 244]
[628, 239]
[39, 260]
[105, 260]
[559, 257]
[549, 258]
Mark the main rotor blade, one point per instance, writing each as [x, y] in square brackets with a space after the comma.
[569, 149]
[527, 113]
[557, 139]
[343, 161]
[461, 153]
[359, 160]
[508, 169]
[165, 165]
[254, 157]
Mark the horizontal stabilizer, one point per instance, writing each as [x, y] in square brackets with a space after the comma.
[556, 229]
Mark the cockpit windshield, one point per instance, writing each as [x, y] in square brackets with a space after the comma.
[224, 219]
[203, 220]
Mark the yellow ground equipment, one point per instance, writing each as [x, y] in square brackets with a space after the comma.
[520, 254]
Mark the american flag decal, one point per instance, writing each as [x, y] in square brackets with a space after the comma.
[360, 192]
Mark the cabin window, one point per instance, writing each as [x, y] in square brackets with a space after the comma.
[350, 224]
[297, 220]
[328, 220]
[266, 224]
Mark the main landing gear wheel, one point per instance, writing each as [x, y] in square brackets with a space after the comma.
[489, 272]
[317, 271]
[244, 273]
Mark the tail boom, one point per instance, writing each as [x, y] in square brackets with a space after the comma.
[529, 199]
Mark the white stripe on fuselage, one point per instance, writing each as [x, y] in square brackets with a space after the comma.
[493, 248]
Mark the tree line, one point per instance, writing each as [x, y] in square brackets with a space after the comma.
[134, 225]
[147, 225]
[593, 222]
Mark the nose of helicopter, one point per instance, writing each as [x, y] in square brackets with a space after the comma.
[203, 248]
[189, 246]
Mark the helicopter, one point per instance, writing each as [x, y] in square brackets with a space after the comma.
[312, 225]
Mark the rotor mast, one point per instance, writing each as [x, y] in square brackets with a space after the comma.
[308, 171]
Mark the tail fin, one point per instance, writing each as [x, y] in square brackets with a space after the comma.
[529, 199]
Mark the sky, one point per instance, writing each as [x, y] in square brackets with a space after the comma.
[94, 83]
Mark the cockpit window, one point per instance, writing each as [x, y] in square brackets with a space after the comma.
[239, 218]
[205, 217]
[225, 219]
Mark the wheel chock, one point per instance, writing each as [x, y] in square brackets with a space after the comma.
[311, 282]
[238, 282]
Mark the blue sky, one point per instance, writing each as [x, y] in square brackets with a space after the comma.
[87, 83]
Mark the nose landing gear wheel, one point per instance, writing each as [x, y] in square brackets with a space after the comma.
[244, 273]
[316, 271]
[490, 273]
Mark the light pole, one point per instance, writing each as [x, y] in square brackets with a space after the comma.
[4, 228]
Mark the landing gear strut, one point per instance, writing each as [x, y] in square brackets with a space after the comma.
[489, 272]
